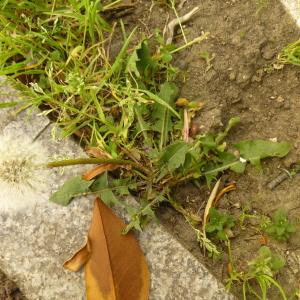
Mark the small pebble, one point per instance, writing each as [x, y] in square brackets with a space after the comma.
[280, 99]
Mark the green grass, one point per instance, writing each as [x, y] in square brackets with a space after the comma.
[291, 54]
[59, 54]
[259, 278]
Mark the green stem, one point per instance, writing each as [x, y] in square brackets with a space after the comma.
[188, 216]
[94, 161]
[275, 283]
[180, 24]
[196, 40]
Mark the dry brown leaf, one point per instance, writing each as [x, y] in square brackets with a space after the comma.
[209, 203]
[116, 268]
[96, 152]
[227, 189]
[89, 175]
[186, 126]
[76, 262]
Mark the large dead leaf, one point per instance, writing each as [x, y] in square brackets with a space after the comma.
[115, 267]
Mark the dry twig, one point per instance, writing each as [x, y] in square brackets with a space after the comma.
[186, 125]
[181, 4]
[228, 188]
[209, 205]
[177, 21]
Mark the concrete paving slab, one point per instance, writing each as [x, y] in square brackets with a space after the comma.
[293, 8]
[8, 116]
[37, 236]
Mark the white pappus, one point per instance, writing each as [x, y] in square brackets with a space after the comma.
[23, 176]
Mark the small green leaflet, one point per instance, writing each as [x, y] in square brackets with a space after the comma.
[226, 160]
[256, 150]
[211, 142]
[160, 101]
[162, 117]
[70, 189]
[141, 216]
[131, 66]
[140, 61]
[222, 135]
[146, 63]
[101, 186]
[251, 151]
[174, 155]
[218, 223]
[108, 189]
[8, 104]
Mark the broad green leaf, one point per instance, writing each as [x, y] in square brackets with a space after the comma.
[131, 66]
[222, 135]
[212, 142]
[174, 155]
[122, 186]
[256, 150]
[101, 186]
[252, 151]
[70, 189]
[160, 101]
[141, 125]
[208, 143]
[146, 63]
[162, 117]
[226, 160]
[140, 62]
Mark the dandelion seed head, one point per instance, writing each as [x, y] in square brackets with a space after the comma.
[22, 175]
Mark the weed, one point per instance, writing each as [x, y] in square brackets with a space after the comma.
[259, 277]
[279, 227]
[208, 59]
[219, 224]
[244, 215]
[207, 244]
[290, 54]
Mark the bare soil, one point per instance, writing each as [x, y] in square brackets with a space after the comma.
[8, 289]
[245, 39]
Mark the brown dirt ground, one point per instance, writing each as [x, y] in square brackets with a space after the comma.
[8, 289]
[245, 41]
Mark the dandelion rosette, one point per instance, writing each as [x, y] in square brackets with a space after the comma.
[23, 175]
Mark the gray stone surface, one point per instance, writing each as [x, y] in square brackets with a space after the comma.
[8, 116]
[293, 7]
[175, 273]
[37, 239]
